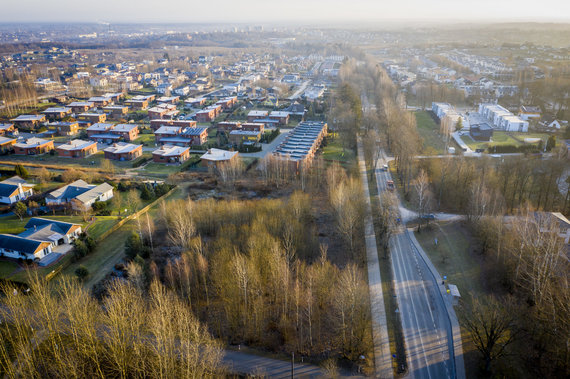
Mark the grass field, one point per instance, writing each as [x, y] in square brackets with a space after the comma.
[429, 131]
[162, 170]
[334, 151]
[499, 138]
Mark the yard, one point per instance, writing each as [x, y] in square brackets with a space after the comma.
[146, 140]
[161, 170]
[333, 151]
[454, 257]
[499, 138]
[433, 142]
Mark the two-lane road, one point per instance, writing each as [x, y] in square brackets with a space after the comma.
[425, 324]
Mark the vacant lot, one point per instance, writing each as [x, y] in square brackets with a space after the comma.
[433, 142]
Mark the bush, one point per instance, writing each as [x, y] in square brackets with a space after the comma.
[147, 192]
[21, 171]
[81, 272]
[133, 245]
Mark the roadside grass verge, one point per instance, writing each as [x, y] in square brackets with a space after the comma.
[454, 257]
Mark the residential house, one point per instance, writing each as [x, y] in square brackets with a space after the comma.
[15, 189]
[227, 102]
[33, 146]
[253, 126]
[116, 112]
[7, 145]
[239, 137]
[168, 100]
[65, 128]
[80, 106]
[122, 151]
[196, 103]
[77, 149]
[481, 132]
[166, 132]
[280, 116]
[186, 137]
[208, 114]
[528, 112]
[254, 115]
[215, 157]
[19, 247]
[79, 195]
[163, 111]
[182, 91]
[296, 110]
[117, 96]
[301, 144]
[54, 232]
[98, 128]
[92, 118]
[228, 126]
[171, 154]
[156, 124]
[100, 101]
[7, 129]
[57, 113]
[28, 121]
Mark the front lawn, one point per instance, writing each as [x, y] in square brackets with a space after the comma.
[334, 151]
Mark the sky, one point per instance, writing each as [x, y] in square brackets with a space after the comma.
[271, 11]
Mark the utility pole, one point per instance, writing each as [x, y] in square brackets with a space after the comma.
[292, 365]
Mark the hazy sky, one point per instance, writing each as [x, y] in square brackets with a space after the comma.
[267, 11]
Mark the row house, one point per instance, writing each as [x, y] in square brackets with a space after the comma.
[182, 137]
[253, 126]
[254, 115]
[108, 133]
[281, 117]
[228, 126]
[196, 103]
[168, 100]
[239, 137]
[301, 144]
[77, 149]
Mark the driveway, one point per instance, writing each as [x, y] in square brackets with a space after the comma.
[270, 147]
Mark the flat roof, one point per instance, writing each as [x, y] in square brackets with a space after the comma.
[29, 117]
[100, 126]
[121, 148]
[168, 150]
[32, 142]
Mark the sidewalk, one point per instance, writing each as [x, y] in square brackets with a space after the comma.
[382, 356]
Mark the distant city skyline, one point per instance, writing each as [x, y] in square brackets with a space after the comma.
[293, 11]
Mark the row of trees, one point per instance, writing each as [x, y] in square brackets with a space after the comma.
[529, 259]
[59, 330]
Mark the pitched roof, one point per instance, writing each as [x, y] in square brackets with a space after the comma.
[6, 190]
[60, 226]
[94, 193]
[70, 191]
[20, 244]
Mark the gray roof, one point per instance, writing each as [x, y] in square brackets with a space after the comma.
[121, 147]
[61, 227]
[94, 192]
[19, 244]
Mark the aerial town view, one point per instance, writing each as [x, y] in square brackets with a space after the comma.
[307, 189]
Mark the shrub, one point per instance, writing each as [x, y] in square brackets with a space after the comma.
[81, 272]
[133, 245]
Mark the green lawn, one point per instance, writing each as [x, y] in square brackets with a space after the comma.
[334, 151]
[499, 138]
[145, 139]
[93, 161]
[101, 225]
[162, 170]
[7, 268]
[429, 131]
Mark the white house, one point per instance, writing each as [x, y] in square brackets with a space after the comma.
[15, 189]
[80, 194]
[20, 247]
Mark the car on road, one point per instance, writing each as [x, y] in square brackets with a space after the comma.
[385, 167]
[390, 185]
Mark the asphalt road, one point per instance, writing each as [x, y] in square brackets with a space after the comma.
[426, 328]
